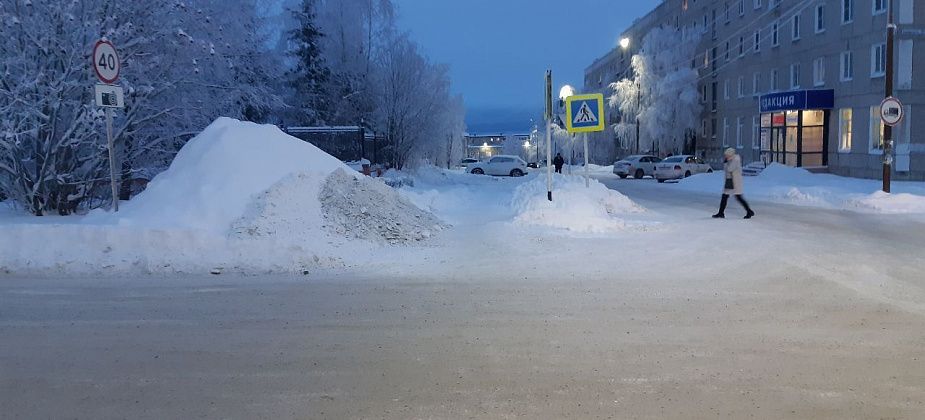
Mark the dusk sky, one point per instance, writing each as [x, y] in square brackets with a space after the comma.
[498, 50]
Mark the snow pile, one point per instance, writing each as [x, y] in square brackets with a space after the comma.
[780, 183]
[238, 197]
[366, 208]
[218, 173]
[574, 207]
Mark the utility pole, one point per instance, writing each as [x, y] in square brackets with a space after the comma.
[548, 116]
[635, 79]
[888, 92]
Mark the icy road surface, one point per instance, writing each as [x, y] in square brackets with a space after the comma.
[800, 313]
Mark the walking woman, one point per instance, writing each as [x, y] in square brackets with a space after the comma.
[733, 170]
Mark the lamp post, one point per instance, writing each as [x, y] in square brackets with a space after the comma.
[564, 93]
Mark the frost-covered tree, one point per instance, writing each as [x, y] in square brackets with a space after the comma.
[663, 92]
[183, 64]
[310, 75]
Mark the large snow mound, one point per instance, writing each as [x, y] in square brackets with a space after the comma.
[217, 174]
[575, 207]
[780, 183]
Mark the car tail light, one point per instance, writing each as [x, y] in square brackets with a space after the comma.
[677, 167]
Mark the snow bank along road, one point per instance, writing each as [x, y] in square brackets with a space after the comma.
[800, 313]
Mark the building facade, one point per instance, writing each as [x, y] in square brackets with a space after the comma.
[797, 82]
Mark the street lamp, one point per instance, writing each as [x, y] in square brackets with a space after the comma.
[624, 43]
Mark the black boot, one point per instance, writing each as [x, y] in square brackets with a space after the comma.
[748, 210]
[722, 207]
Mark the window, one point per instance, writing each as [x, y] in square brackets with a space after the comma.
[741, 46]
[726, 12]
[757, 41]
[741, 87]
[703, 128]
[774, 81]
[713, 129]
[714, 90]
[726, 89]
[727, 52]
[819, 72]
[756, 82]
[847, 11]
[703, 94]
[775, 38]
[741, 7]
[876, 130]
[844, 130]
[757, 4]
[796, 27]
[847, 66]
[795, 76]
[820, 19]
[738, 132]
[756, 134]
[725, 132]
[879, 7]
[878, 60]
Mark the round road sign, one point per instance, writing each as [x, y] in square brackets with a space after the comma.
[891, 111]
[106, 62]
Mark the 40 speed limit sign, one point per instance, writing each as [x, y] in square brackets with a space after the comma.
[106, 62]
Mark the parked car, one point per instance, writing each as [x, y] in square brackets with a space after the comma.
[636, 165]
[466, 162]
[504, 165]
[681, 166]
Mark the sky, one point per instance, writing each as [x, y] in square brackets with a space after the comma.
[499, 50]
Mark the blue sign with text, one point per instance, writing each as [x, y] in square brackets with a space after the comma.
[797, 99]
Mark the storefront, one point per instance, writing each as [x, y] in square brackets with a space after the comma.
[794, 127]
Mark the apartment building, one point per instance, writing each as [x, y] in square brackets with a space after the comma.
[797, 82]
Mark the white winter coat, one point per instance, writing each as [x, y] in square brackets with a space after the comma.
[733, 171]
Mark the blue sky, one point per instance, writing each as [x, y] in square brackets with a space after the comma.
[499, 49]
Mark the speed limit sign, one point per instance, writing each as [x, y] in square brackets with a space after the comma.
[106, 62]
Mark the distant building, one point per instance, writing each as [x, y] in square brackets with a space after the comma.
[793, 81]
[347, 143]
[483, 146]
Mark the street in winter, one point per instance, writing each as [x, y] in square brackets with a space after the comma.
[408, 209]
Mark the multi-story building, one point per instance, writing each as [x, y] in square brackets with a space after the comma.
[795, 81]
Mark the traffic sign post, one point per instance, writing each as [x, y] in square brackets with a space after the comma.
[891, 111]
[585, 114]
[107, 67]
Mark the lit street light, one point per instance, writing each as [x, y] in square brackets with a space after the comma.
[624, 43]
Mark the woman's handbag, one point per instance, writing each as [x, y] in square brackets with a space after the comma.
[729, 184]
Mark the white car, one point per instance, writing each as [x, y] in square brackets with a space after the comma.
[637, 165]
[503, 165]
[681, 166]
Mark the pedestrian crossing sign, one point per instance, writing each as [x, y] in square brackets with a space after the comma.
[585, 113]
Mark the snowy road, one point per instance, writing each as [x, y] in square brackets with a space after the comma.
[800, 313]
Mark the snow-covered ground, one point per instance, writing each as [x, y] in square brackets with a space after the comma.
[782, 184]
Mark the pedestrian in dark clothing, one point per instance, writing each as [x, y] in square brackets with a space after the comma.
[732, 168]
[558, 161]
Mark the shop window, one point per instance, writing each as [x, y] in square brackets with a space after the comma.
[844, 129]
[876, 131]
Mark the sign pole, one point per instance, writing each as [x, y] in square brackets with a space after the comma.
[888, 91]
[549, 134]
[112, 161]
[587, 170]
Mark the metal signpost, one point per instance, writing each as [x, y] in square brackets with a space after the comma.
[107, 67]
[548, 116]
[585, 114]
[888, 93]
